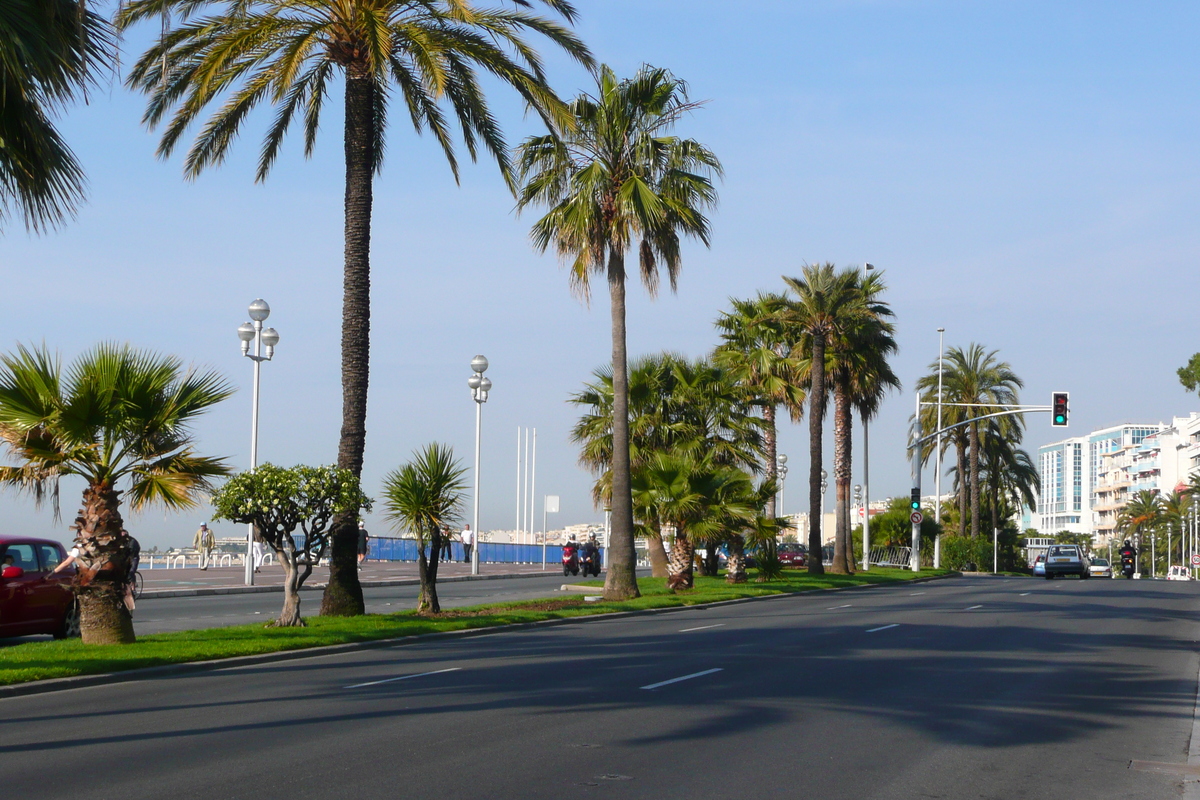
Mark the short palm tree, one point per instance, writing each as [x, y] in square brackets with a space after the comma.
[235, 55]
[1177, 505]
[827, 304]
[1143, 515]
[754, 349]
[50, 51]
[612, 180]
[121, 420]
[423, 497]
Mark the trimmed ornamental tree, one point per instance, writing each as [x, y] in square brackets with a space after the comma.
[277, 501]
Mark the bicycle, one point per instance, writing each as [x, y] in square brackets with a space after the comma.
[135, 581]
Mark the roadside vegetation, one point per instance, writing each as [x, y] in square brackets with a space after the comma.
[60, 659]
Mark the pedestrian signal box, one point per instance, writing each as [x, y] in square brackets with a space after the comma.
[1060, 407]
[915, 505]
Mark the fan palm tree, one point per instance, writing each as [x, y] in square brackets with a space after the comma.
[861, 376]
[826, 305]
[238, 54]
[50, 52]
[121, 420]
[754, 348]
[614, 179]
[423, 497]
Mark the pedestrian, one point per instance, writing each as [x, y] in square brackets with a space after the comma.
[468, 541]
[447, 544]
[260, 551]
[363, 536]
[204, 542]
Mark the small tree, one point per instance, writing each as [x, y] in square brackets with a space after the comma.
[277, 500]
[422, 497]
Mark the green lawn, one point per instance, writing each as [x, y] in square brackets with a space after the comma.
[41, 660]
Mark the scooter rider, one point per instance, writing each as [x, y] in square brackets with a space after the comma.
[590, 554]
[1128, 553]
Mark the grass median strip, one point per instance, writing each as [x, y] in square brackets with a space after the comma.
[41, 660]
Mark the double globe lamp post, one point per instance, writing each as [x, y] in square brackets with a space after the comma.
[264, 340]
[480, 386]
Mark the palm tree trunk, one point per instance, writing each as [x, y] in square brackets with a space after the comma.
[770, 447]
[960, 445]
[683, 555]
[620, 583]
[103, 568]
[658, 555]
[843, 549]
[343, 594]
[974, 426]
[816, 414]
[735, 567]
[427, 601]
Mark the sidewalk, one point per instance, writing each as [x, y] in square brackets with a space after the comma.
[192, 581]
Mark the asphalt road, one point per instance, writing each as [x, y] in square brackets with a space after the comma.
[964, 688]
[156, 615]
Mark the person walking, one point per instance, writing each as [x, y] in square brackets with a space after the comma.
[363, 537]
[468, 541]
[447, 544]
[204, 542]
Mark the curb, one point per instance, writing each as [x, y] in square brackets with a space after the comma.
[154, 594]
[170, 670]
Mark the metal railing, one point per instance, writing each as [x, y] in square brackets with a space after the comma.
[891, 556]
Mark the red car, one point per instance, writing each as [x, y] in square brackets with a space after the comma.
[32, 600]
[792, 555]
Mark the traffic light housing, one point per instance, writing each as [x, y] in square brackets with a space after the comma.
[1060, 408]
[915, 503]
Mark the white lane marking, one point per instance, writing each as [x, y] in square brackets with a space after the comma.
[916, 594]
[835, 608]
[401, 678]
[703, 627]
[885, 627]
[972, 608]
[1024, 593]
[684, 678]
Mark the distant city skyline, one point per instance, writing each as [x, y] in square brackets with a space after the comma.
[1024, 174]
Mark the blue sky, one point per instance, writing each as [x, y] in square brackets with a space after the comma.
[1025, 173]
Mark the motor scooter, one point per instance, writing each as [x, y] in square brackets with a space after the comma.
[1127, 567]
[589, 561]
[570, 559]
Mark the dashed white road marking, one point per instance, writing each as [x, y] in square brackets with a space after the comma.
[401, 678]
[1024, 593]
[683, 678]
[835, 608]
[702, 627]
[884, 627]
[972, 608]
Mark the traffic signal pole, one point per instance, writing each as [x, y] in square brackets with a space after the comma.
[915, 560]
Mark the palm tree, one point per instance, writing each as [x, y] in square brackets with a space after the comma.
[238, 54]
[677, 405]
[50, 51]
[1011, 476]
[423, 497]
[826, 305]
[1176, 507]
[1143, 514]
[614, 179]
[754, 348]
[860, 374]
[121, 420]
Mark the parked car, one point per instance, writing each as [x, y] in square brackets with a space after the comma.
[1039, 566]
[1178, 572]
[1066, 559]
[1100, 568]
[32, 599]
[792, 554]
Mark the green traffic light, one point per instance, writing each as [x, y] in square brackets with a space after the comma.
[1060, 419]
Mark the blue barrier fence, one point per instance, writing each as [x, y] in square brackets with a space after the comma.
[383, 548]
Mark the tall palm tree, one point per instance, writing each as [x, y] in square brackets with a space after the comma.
[754, 348]
[423, 497]
[50, 52]
[1176, 507]
[1011, 476]
[975, 376]
[238, 54]
[827, 303]
[676, 405]
[614, 179]
[861, 375]
[121, 420]
[1143, 514]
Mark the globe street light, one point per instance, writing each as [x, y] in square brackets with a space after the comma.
[264, 339]
[781, 471]
[480, 386]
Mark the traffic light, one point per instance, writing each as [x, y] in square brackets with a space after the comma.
[915, 503]
[1059, 408]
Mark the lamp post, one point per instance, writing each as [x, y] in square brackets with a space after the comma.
[264, 339]
[781, 472]
[858, 497]
[937, 477]
[824, 486]
[866, 484]
[480, 386]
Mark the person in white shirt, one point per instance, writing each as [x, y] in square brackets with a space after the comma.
[468, 541]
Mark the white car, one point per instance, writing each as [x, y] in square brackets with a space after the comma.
[1100, 568]
[1178, 573]
[1039, 567]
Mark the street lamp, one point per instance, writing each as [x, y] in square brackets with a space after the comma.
[264, 339]
[937, 477]
[781, 472]
[480, 386]
[858, 493]
[866, 474]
